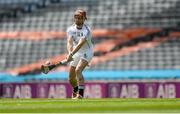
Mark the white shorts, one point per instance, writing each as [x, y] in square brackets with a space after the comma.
[78, 56]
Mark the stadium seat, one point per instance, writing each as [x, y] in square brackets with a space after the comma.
[34, 30]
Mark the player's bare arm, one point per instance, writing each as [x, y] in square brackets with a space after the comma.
[69, 48]
[69, 44]
[79, 45]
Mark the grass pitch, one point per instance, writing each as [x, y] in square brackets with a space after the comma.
[89, 105]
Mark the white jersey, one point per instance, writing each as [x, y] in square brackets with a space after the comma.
[77, 34]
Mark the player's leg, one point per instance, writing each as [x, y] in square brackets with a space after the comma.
[79, 69]
[72, 75]
[73, 81]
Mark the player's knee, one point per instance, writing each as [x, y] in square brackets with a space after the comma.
[73, 81]
[78, 71]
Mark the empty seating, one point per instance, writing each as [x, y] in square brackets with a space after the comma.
[164, 56]
[102, 14]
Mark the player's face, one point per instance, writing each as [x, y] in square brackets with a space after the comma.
[79, 20]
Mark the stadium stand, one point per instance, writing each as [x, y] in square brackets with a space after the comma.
[102, 14]
[32, 31]
[151, 58]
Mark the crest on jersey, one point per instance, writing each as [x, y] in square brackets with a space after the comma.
[79, 34]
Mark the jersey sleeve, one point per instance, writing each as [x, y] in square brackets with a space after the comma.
[69, 33]
[86, 33]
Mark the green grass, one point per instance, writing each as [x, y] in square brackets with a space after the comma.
[89, 105]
